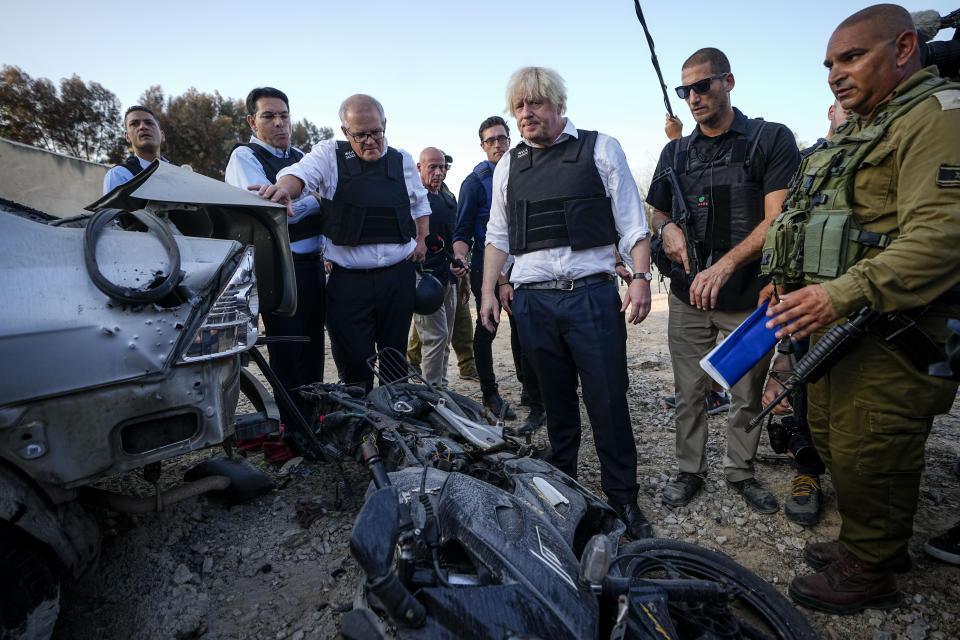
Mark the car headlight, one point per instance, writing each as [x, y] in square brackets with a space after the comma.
[231, 324]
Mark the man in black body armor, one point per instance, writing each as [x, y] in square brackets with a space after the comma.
[376, 220]
[258, 162]
[561, 200]
[142, 131]
[733, 173]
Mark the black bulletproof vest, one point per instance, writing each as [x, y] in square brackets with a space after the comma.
[132, 165]
[556, 198]
[371, 204]
[725, 200]
[271, 164]
[305, 228]
[443, 219]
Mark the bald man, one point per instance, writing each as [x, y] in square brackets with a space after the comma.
[436, 329]
[898, 158]
[376, 222]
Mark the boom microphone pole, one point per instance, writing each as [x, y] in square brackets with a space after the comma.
[653, 57]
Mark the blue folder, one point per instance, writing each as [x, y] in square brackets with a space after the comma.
[746, 346]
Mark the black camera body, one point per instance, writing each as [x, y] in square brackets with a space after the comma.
[792, 434]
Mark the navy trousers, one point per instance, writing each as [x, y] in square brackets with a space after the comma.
[566, 333]
[369, 310]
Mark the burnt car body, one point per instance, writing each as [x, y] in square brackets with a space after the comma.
[91, 386]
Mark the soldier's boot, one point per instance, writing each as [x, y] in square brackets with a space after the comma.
[803, 504]
[820, 554]
[847, 585]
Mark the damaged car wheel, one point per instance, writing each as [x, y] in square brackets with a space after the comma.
[30, 592]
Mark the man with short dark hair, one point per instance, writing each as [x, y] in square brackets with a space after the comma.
[142, 131]
[887, 189]
[376, 220]
[562, 200]
[733, 173]
[473, 213]
[258, 162]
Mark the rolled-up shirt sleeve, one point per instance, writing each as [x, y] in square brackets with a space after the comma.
[317, 170]
[628, 215]
[497, 225]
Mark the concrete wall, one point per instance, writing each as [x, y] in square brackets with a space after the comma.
[53, 183]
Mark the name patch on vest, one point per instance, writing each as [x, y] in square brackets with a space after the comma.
[350, 155]
[522, 152]
[949, 99]
[948, 175]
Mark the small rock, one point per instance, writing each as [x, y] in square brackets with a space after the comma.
[721, 539]
[183, 575]
[796, 528]
[917, 631]
[207, 565]
[882, 635]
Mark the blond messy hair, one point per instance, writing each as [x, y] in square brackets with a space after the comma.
[536, 83]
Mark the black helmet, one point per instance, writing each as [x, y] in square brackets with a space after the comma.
[429, 296]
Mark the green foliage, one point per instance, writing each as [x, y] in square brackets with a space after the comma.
[305, 134]
[81, 119]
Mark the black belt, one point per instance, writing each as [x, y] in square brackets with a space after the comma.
[337, 267]
[566, 284]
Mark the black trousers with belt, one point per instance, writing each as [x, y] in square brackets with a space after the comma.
[369, 310]
[483, 351]
[582, 331]
[299, 363]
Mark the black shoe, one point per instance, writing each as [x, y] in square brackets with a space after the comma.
[757, 496]
[670, 401]
[717, 402]
[534, 421]
[499, 407]
[681, 490]
[945, 547]
[638, 527]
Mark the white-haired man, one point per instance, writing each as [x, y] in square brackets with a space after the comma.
[377, 219]
[562, 199]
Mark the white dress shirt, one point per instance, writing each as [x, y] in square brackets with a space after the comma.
[318, 172]
[120, 174]
[243, 169]
[563, 262]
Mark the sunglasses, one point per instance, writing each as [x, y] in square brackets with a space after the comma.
[700, 86]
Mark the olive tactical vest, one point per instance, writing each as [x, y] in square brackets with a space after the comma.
[818, 237]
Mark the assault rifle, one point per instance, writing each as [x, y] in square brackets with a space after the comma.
[683, 219]
[895, 327]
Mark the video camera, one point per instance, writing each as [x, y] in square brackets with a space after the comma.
[943, 53]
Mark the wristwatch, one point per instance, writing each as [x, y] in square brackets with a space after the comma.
[662, 225]
[643, 276]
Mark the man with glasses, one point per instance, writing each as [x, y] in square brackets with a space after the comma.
[376, 220]
[562, 200]
[733, 173]
[142, 131]
[258, 162]
[472, 216]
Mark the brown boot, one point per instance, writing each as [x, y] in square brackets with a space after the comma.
[820, 554]
[847, 585]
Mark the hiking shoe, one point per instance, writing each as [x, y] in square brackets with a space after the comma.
[847, 585]
[946, 546]
[499, 407]
[682, 489]
[818, 555]
[670, 401]
[717, 402]
[803, 505]
[472, 376]
[757, 496]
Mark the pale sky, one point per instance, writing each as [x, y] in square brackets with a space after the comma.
[441, 68]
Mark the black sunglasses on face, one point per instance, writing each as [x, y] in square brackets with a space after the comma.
[700, 86]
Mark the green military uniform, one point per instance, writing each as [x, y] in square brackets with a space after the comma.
[871, 414]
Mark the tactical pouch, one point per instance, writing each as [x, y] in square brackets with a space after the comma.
[589, 223]
[830, 244]
[783, 248]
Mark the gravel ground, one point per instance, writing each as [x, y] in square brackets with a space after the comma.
[252, 571]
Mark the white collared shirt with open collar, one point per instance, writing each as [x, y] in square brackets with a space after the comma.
[318, 171]
[563, 262]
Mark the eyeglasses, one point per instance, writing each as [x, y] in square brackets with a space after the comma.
[376, 134]
[496, 140]
[700, 86]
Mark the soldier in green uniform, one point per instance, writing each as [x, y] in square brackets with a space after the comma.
[881, 207]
